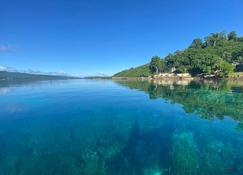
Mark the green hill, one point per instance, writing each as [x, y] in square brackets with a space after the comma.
[135, 72]
[218, 54]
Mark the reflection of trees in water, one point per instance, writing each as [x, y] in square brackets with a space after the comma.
[208, 100]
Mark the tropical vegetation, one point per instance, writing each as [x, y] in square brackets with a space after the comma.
[218, 54]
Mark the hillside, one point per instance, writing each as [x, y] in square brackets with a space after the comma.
[135, 72]
[218, 54]
[16, 76]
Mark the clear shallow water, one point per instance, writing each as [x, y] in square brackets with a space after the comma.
[79, 127]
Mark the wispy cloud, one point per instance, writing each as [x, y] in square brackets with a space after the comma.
[9, 69]
[3, 68]
[7, 48]
[30, 71]
[101, 74]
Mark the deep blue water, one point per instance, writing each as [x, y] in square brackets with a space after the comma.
[98, 127]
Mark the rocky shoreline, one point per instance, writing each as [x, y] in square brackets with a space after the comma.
[179, 80]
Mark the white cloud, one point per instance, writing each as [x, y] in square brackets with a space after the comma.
[9, 69]
[101, 74]
[2, 68]
[61, 72]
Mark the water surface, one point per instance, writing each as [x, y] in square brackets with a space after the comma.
[102, 127]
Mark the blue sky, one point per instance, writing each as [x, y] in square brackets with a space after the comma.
[85, 37]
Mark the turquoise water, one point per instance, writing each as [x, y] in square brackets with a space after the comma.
[97, 127]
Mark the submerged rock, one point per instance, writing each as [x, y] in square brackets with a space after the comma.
[184, 154]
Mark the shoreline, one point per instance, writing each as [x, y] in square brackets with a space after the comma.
[182, 80]
[235, 77]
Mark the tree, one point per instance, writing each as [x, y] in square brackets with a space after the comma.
[196, 43]
[181, 69]
[215, 56]
[224, 69]
[232, 36]
[162, 66]
[155, 64]
[227, 56]
[209, 64]
[240, 39]
[215, 38]
[237, 56]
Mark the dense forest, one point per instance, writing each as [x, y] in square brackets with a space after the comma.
[218, 54]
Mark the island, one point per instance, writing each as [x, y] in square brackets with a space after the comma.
[219, 55]
[6, 76]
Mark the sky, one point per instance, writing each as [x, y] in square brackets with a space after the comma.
[91, 37]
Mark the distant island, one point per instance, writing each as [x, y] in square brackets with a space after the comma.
[218, 55]
[18, 76]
